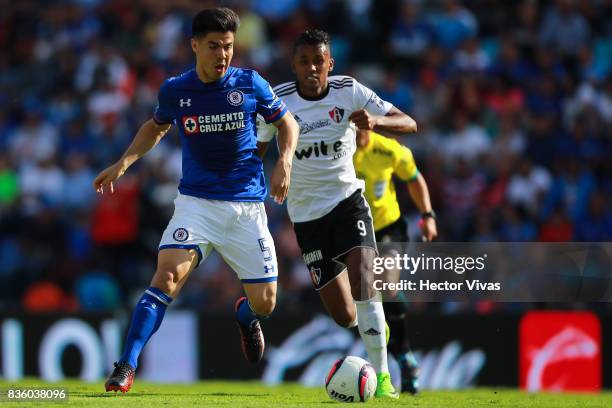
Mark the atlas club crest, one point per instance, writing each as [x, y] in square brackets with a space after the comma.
[336, 114]
[315, 275]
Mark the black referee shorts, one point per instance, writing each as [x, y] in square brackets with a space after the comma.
[394, 232]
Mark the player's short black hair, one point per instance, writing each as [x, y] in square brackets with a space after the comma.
[312, 37]
[215, 20]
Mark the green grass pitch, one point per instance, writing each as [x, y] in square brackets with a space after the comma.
[253, 394]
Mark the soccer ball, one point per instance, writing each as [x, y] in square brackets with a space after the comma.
[351, 379]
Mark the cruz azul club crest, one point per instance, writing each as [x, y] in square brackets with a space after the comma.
[336, 114]
[235, 98]
[180, 234]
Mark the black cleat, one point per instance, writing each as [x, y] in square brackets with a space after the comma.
[410, 373]
[121, 379]
[253, 344]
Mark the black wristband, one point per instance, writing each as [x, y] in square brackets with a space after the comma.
[429, 214]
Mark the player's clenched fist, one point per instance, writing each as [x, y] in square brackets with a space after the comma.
[363, 119]
[107, 176]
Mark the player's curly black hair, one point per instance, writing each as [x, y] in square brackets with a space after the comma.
[312, 37]
[216, 20]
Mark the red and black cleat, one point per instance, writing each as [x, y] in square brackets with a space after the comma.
[121, 379]
[253, 344]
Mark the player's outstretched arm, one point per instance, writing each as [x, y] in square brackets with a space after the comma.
[288, 131]
[149, 134]
[394, 123]
[420, 196]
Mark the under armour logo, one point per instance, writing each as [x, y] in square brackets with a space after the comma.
[185, 102]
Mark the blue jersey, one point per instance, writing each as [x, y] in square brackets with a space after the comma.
[217, 125]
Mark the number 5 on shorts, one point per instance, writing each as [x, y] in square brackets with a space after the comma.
[362, 228]
[265, 249]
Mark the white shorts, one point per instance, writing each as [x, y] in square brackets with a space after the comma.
[237, 230]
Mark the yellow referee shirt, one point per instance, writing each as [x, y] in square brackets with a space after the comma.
[375, 164]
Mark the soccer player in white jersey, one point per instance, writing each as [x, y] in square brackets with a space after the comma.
[332, 220]
[220, 200]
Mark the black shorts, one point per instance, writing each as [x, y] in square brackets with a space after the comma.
[325, 240]
[395, 232]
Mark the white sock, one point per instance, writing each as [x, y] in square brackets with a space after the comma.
[371, 318]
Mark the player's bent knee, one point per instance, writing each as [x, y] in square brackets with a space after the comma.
[264, 306]
[165, 280]
[262, 297]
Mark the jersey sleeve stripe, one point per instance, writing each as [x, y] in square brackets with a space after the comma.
[275, 115]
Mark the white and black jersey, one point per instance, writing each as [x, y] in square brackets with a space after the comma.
[323, 174]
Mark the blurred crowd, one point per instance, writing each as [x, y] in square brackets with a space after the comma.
[513, 101]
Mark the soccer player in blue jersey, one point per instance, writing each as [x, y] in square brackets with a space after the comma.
[221, 193]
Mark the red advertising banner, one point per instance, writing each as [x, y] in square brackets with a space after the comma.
[560, 351]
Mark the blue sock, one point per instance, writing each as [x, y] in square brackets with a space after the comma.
[146, 319]
[246, 315]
